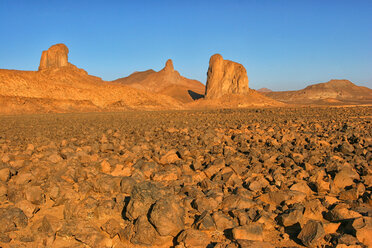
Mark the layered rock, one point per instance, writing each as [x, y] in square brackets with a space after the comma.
[225, 77]
[56, 56]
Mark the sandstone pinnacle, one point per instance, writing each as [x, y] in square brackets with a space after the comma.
[56, 56]
[225, 77]
[169, 66]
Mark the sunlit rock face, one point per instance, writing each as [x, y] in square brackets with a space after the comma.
[55, 57]
[225, 77]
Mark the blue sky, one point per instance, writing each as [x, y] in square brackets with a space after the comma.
[283, 44]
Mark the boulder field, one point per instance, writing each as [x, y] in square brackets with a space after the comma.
[278, 177]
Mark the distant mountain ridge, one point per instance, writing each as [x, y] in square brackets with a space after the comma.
[264, 90]
[333, 91]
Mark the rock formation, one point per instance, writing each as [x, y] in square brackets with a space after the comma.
[169, 66]
[60, 86]
[225, 77]
[56, 56]
[167, 82]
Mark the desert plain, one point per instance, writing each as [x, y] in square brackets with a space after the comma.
[263, 177]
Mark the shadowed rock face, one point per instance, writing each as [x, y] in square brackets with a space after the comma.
[225, 77]
[56, 56]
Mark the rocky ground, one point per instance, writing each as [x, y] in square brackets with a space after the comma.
[230, 178]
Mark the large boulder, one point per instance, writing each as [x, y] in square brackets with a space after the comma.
[55, 57]
[225, 77]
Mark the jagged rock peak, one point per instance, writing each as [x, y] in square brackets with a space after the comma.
[225, 77]
[169, 66]
[56, 56]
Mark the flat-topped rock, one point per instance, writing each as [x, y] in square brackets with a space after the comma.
[56, 56]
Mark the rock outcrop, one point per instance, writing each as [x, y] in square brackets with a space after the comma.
[167, 82]
[60, 86]
[168, 66]
[225, 77]
[55, 57]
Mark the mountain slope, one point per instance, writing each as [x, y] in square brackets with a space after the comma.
[332, 92]
[167, 82]
[69, 84]
[264, 90]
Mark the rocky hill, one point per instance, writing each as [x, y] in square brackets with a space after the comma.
[59, 86]
[167, 82]
[334, 92]
[264, 90]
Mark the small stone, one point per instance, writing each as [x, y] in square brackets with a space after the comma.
[248, 232]
[170, 157]
[27, 207]
[4, 174]
[4, 238]
[35, 195]
[205, 222]
[55, 158]
[292, 216]
[254, 244]
[330, 227]
[105, 167]
[301, 187]
[311, 233]
[12, 218]
[126, 185]
[214, 168]
[364, 230]
[193, 238]
[144, 232]
[167, 216]
[222, 221]
[111, 227]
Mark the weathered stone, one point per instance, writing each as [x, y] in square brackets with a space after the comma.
[311, 233]
[292, 216]
[27, 207]
[254, 244]
[225, 77]
[112, 227]
[4, 174]
[223, 221]
[11, 219]
[364, 230]
[126, 185]
[56, 56]
[193, 238]
[142, 197]
[168, 217]
[248, 232]
[205, 222]
[144, 232]
[35, 195]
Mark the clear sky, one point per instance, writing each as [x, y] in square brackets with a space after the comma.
[283, 44]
